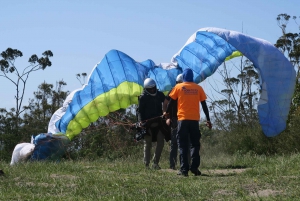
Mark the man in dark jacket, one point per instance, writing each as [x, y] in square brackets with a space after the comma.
[150, 112]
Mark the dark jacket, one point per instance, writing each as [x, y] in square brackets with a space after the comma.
[150, 110]
[150, 106]
[172, 111]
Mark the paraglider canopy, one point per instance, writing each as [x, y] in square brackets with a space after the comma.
[117, 80]
[206, 49]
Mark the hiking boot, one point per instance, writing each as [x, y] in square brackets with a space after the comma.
[155, 167]
[185, 174]
[196, 172]
[172, 168]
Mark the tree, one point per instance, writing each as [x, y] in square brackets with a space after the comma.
[83, 75]
[7, 67]
[289, 44]
[35, 120]
[41, 108]
[238, 105]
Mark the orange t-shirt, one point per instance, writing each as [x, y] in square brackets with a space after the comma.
[188, 95]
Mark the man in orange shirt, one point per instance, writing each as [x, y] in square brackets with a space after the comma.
[188, 95]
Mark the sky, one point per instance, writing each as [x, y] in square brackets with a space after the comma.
[80, 33]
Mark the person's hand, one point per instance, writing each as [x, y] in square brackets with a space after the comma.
[208, 124]
[168, 122]
[165, 115]
[143, 124]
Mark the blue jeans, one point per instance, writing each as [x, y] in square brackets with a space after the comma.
[188, 138]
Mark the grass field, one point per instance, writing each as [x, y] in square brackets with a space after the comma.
[236, 177]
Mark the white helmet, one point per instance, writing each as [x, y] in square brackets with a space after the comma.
[150, 86]
[179, 78]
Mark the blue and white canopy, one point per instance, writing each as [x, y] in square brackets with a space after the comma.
[117, 80]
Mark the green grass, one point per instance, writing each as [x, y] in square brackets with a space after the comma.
[236, 177]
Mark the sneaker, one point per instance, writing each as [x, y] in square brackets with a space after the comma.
[155, 167]
[196, 172]
[185, 174]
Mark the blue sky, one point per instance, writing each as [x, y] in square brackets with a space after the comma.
[80, 33]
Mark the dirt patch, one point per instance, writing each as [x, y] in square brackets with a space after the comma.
[89, 166]
[62, 176]
[251, 188]
[291, 177]
[169, 170]
[214, 172]
[265, 193]
[226, 171]
[258, 191]
[34, 184]
[71, 185]
[106, 171]
[224, 192]
[25, 184]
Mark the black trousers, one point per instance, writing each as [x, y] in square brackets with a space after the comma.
[188, 138]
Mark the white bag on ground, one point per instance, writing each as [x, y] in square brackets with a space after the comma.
[21, 153]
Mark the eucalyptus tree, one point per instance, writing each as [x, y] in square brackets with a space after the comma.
[237, 101]
[289, 44]
[19, 76]
[40, 109]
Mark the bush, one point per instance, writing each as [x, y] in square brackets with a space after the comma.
[103, 141]
[250, 139]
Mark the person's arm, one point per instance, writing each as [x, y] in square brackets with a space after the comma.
[166, 101]
[141, 115]
[165, 105]
[206, 112]
[170, 105]
[167, 111]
